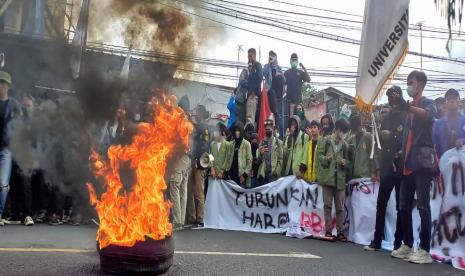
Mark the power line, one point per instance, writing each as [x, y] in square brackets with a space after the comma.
[294, 13]
[313, 8]
[257, 33]
[269, 22]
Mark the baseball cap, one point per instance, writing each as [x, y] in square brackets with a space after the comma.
[393, 89]
[5, 77]
[294, 56]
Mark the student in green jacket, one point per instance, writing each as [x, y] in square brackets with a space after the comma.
[295, 150]
[270, 156]
[219, 148]
[240, 161]
[360, 143]
[332, 176]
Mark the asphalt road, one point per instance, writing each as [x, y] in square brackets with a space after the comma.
[29, 251]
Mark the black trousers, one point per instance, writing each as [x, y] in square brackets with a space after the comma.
[418, 183]
[387, 184]
[20, 194]
[39, 191]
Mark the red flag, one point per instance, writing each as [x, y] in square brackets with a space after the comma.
[265, 113]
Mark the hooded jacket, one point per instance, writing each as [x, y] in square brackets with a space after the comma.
[276, 158]
[295, 150]
[331, 172]
[244, 155]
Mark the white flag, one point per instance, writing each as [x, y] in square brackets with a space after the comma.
[383, 47]
[124, 75]
[4, 6]
[79, 39]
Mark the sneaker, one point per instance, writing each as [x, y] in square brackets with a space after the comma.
[41, 216]
[177, 227]
[28, 221]
[420, 257]
[10, 221]
[54, 220]
[1, 222]
[372, 247]
[404, 252]
[75, 221]
[341, 237]
[65, 219]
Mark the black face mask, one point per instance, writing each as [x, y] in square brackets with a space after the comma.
[268, 133]
[393, 102]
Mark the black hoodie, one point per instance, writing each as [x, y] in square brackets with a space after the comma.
[234, 171]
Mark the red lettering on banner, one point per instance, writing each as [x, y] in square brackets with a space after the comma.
[360, 187]
[461, 262]
[312, 221]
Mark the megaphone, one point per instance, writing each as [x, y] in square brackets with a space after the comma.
[206, 160]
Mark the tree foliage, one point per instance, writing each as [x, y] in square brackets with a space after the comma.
[453, 11]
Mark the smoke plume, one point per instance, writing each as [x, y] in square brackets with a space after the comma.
[152, 25]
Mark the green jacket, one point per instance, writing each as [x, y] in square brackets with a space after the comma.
[332, 163]
[245, 158]
[222, 156]
[361, 164]
[276, 159]
[295, 152]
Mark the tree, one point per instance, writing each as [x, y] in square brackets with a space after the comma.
[450, 9]
[308, 90]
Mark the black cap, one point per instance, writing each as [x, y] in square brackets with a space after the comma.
[294, 56]
[393, 89]
[272, 53]
[452, 93]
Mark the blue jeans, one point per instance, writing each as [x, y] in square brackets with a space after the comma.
[419, 183]
[5, 173]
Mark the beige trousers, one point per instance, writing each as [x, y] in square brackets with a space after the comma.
[330, 193]
[177, 190]
[196, 196]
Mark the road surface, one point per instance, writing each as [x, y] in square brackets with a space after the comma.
[68, 250]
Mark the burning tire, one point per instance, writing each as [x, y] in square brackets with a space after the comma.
[150, 256]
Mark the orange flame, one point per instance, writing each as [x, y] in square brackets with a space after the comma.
[126, 218]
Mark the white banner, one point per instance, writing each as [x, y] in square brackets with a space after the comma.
[296, 207]
[266, 209]
[384, 44]
[448, 210]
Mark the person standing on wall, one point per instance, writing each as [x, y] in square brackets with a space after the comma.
[254, 85]
[295, 78]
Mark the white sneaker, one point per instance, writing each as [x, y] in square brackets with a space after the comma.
[28, 221]
[11, 222]
[404, 252]
[1, 222]
[420, 257]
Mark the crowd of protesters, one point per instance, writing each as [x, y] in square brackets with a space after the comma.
[414, 133]
[330, 152]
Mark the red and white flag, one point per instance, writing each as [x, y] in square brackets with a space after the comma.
[265, 113]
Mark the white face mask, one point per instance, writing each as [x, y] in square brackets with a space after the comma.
[137, 117]
[411, 91]
[216, 135]
[276, 135]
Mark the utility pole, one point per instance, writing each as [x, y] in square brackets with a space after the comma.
[420, 24]
[239, 50]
